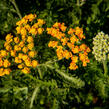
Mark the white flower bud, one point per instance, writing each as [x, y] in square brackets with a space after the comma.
[101, 46]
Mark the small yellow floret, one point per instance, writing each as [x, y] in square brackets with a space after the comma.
[34, 63]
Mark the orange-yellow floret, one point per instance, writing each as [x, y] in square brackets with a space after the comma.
[59, 52]
[27, 27]
[73, 66]
[73, 39]
[64, 41]
[63, 27]
[21, 44]
[20, 55]
[8, 48]
[2, 72]
[18, 29]
[67, 54]
[28, 63]
[17, 48]
[33, 31]
[20, 66]
[71, 31]
[75, 49]
[3, 53]
[7, 71]
[29, 39]
[34, 63]
[40, 30]
[25, 57]
[53, 44]
[18, 60]
[13, 53]
[25, 49]
[9, 37]
[6, 63]
[26, 70]
[23, 31]
[16, 40]
[40, 22]
[1, 62]
[30, 46]
[32, 53]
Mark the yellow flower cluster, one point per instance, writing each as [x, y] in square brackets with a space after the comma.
[20, 49]
[68, 46]
[25, 26]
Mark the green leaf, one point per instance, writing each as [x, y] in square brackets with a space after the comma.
[76, 82]
[61, 9]
[24, 90]
[34, 95]
[4, 90]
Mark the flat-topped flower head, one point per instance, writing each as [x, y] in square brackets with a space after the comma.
[20, 49]
[69, 45]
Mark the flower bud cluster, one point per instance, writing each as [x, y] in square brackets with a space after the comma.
[101, 46]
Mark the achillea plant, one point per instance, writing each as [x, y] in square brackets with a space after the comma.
[20, 55]
[68, 44]
[101, 49]
[101, 53]
[20, 49]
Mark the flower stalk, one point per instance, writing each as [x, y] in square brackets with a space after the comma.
[78, 3]
[105, 67]
[17, 9]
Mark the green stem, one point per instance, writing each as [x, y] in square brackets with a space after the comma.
[78, 3]
[40, 73]
[48, 62]
[105, 67]
[34, 95]
[17, 9]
